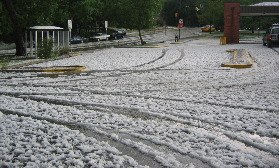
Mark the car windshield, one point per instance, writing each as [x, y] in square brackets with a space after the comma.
[97, 34]
[208, 26]
[275, 31]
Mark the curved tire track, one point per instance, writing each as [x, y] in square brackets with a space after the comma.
[132, 112]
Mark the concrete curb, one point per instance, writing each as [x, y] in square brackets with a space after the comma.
[160, 46]
[241, 59]
[177, 43]
[236, 65]
[54, 69]
[73, 68]
[40, 61]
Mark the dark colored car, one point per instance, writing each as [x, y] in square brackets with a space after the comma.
[117, 34]
[78, 39]
[271, 36]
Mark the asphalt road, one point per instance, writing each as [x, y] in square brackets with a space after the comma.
[150, 37]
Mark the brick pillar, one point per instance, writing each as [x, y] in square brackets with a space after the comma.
[232, 22]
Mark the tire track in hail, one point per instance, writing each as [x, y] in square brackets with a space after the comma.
[121, 72]
[164, 51]
[72, 124]
[94, 131]
[88, 129]
[172, 120]
[117, 72]
[145, 115]
[132, 111]
[161, 98]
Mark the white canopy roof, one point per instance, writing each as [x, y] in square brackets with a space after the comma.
[267, 4]
[45, 28]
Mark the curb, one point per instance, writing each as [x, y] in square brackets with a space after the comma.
[177, 43]
[74, 68]
[41, 61]
[54, 69]
[160, 46]
[236, 65]
[241, 59]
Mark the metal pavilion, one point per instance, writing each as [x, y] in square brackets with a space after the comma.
[36, 34]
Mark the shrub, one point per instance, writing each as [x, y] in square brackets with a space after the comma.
[63, 51]
[45, 49]
[4, 63]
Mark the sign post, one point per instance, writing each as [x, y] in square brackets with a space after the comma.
[106, 26]
[70, 26]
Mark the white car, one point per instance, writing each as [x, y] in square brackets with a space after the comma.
[99, 36]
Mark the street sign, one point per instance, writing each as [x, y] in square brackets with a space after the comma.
[180, 23]
[180, 26]
[70, 25]
[106, 24]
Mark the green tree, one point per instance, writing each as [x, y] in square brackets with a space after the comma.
[85, 13]
[16, 15]
[4, 19]
[17, 27]
[20, 14]
[211, 12]
[114, 13]
[186, 9]
[137, 14]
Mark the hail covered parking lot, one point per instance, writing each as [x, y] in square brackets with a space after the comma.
[173, 106]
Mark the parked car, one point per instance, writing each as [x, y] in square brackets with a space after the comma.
[78, 39]
[99, 36]
[219, 28]
[117, 34]
[271, 36]
[208, 28]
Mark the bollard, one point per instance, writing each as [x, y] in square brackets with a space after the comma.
[176, 38]
[223, 40]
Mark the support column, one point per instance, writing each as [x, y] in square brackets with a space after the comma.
[42, 36]
[53, 37]
[58, 39]
[232, 22]
[36, 43]
[25, 43]
[31, 43]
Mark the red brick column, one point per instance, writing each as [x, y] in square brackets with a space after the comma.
[232, 22]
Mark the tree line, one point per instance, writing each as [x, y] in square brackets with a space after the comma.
[16, 15]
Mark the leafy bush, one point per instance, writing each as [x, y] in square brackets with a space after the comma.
[45, 49]
[63, 51]
[4, 63]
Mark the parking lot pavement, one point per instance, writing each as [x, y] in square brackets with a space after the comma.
[144, 107]
[150, 37]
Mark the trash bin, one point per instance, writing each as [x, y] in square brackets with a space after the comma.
[223, 40]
